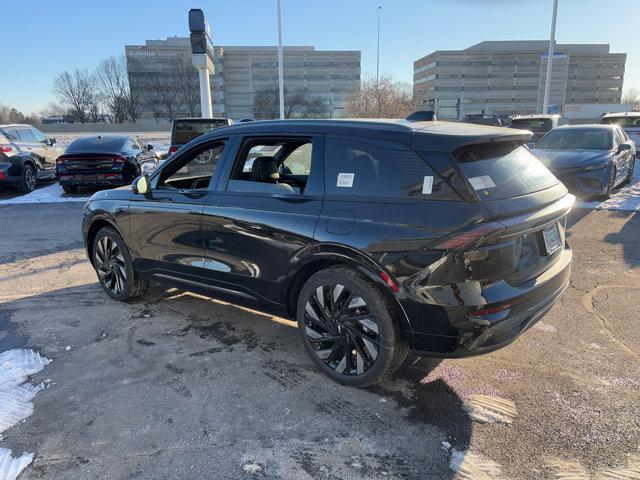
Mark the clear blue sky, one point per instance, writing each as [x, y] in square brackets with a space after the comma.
[43, 38]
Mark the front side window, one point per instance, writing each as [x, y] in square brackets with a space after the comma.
[273, 165]
[39, 136]
[192, 171]
[26, 136]
[378, 168]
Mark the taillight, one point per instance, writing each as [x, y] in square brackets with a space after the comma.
[173, 149]
[470, 237]
[2, 176]
[60, 160]
[6, 149]
[119, 159]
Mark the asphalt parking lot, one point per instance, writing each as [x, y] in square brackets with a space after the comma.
[181, 386]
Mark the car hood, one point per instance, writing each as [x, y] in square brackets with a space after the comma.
[561, 159]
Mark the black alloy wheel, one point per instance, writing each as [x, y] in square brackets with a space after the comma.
[610, 185]
[348, 327]
[28, 183]
[114, 268]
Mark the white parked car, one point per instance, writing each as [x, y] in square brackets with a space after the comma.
[540, 125]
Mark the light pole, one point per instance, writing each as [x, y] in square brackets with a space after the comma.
[378, 52]
[552, 41]
[202, 57]
[280, 62]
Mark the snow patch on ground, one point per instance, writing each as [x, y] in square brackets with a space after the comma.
[50, 194]
[545, 327]
[471, 466]
[16, 394]
[487, 409]
[625, 198]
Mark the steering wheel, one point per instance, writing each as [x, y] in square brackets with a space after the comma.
[205, 157]
[200, 183]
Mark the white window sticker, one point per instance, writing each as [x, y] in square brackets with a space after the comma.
[345, 180]
[427, 185]
[480, 183]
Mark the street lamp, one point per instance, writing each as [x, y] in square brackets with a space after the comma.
[202, 57]
[552, 41]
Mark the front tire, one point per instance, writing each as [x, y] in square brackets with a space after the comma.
[606, 195]
[113, 265]
[630, 174]
[28, 180]
[349, 328]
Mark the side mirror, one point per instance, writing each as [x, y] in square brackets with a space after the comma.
[149, 147]
[52, 141]
[623, 147]
[141, 185]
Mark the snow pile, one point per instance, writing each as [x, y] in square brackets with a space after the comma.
[471, 466]
[487, 409]
[51, 194]
[625, 198]
[16, 394]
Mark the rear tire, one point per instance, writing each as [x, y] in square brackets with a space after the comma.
[70, 188]
[348, 327]
[28, 180]
[112, 262]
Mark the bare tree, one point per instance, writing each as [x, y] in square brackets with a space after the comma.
[113, 86]
[266, 104]
[632, 97]
[184, 77]
[76, 90]
[53, 110]
[385, 98]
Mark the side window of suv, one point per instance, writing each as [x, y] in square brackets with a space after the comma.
[272, 165]
[193, 171]
[379, 168]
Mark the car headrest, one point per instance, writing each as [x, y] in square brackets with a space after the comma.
[264, 169]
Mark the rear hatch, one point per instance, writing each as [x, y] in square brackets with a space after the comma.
[524, 230]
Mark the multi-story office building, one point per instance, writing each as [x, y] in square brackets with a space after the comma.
[241, 71]
[509, 77]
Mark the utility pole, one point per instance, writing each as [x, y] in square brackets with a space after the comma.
[552, 41]
[280, 62]
[378, 54]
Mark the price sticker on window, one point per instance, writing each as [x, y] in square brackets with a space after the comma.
[345, 180]
[427, 185]
[482, 182]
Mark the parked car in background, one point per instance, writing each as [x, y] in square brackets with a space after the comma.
[422, 116]
[379, 237]
[183, 130]
[540, 125]
[588, 159]
[482, 119]
[26, 156]
[628, 121]
[103, 161]
[505, 120]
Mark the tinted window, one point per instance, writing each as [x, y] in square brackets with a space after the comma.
[96, 145]
[503, 170]
[536, 125]
[193, 171]
[377, 168]
[577, 138]
[26, 135]
[184, 131]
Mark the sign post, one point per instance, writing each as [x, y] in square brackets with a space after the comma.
[202, 56]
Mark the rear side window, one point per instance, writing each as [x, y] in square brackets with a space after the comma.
[11, 135]
[26, 135]
[503, 170]
[379, 168]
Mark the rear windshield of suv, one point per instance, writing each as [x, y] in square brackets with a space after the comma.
[97, 144]
[186, 130]
[536, 125]
[623, 121]
[503, 170]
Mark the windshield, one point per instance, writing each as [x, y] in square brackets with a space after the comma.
[577, 138]
[186, 130]
[503, 170]
[623, 121]
[536, 125]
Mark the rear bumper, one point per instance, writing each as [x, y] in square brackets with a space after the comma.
[468, 335]
[114, 180]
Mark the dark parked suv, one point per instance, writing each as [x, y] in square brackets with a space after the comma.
[378, 237]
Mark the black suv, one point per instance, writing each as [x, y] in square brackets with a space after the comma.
[379, 237]
[26, 156]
